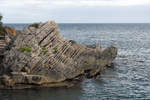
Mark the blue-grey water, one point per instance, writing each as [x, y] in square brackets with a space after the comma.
[128, 80]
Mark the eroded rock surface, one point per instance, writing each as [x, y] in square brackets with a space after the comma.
[40, 55]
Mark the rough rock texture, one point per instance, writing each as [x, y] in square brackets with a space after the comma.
[10, 30]
[10, 33]
[2, 44]
[39, 55]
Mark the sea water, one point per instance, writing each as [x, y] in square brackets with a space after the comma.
[129, 79]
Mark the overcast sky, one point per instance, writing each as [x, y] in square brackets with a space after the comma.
[76, 11]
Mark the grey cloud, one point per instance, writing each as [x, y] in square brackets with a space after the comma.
[32, 11]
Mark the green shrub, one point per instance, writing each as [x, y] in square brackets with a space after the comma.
[1, 24]
[86, 62]
[35, 25]
[22, 49]
[27, 49]
[55, 49]
[44, 51]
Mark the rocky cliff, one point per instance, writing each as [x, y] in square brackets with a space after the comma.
[39, 55]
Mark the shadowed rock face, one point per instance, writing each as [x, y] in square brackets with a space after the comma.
[39, 55]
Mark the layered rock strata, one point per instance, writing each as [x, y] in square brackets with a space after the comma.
[39, 55]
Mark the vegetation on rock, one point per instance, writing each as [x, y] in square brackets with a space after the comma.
[55, 49]
[44, 51]
[35, 25]
[86, 62]
[27, 49]
[1, 24]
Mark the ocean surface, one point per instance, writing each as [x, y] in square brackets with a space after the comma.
[129, 79]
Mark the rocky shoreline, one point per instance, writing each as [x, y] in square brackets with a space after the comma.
[38, 56]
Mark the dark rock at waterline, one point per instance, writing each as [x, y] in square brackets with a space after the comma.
[40, 55]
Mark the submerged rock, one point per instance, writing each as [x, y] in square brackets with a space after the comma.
[40, 55]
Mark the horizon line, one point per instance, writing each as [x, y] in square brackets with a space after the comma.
[86, 23]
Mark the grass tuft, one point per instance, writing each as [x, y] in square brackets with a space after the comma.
[55, 49]
[27, 49]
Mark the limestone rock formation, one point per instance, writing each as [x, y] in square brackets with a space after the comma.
[40, 55]
[9, 30]
[6, 39]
